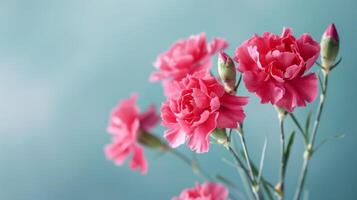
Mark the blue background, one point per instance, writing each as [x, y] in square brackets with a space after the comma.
[65, 64]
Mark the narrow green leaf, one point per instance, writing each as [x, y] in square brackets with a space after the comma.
[335, 137]
[262, 160]
[288, 147]
[266, 184]
[296, 122]
[226, 181]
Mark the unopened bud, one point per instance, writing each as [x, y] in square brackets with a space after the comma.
[329, 46]
[151, 141]
[227, 72]
[220, 136]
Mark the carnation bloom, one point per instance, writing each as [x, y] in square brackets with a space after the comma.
[206, 191]
[199, 106]
[125, 125]
[184, 57]
[275, 68]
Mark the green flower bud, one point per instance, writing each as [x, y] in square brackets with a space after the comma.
[330, 43]
[227, 72]
[220, 136]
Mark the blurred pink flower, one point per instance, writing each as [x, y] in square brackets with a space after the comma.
[274, 67]
[206, 191]
[184, 57]
[125, 124]
[199, 105]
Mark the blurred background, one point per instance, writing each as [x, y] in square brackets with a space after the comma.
[65, 64]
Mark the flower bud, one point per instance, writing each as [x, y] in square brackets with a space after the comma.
[329, 46]
[220, 136]
[227, 72]
[151, 141]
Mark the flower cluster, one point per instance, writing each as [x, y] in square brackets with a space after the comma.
[201, 107]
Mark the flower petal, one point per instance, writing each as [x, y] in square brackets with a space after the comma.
[199, 141]
[138, 160]
[175, 136]
[149, 118]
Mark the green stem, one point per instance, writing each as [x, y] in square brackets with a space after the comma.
[282, 158]
[250, 169]
[246, 155]
[245, 170]
[310, 146]
[193, 164]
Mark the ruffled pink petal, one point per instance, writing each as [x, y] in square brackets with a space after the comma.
[309, 49]
[201, 69]
[267, 91]
[156, 76]
[199, 141]
[170, 87]
[243, 57]
[292, 72]
[286, 32]
[206, 191]
[125, 112]
[168, 118]
[201, 99]
[138, 160]
[175, 136]
[182, 61]
[215, 190]
[299, 91]
[216, 45]
[254, 54]
[149, 118]
[118, 151]
[203, 118]
[231, 112]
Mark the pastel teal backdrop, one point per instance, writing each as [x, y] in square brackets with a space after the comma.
[65, 64]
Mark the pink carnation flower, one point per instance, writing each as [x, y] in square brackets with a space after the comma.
[275, 68]
[200, 105]
[206, 191]
[125, 124]
[186, 56]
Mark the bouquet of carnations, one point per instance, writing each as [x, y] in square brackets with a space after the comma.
[202, 108]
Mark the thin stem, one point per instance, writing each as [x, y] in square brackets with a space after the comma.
[310, 146]
[245, 170]
[282, 158]
[191, 163]
[253, 188]
[246, 155]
